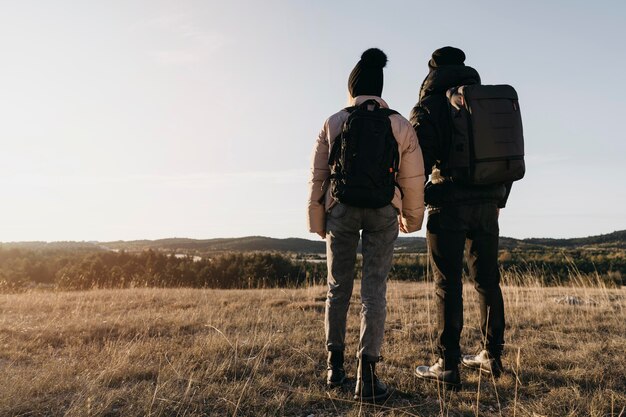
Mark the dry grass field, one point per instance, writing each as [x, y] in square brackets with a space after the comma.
[183, 352]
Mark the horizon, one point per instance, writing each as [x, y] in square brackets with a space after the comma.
[160, 119]
[401, 236]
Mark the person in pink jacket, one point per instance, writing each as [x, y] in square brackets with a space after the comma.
[367, 181]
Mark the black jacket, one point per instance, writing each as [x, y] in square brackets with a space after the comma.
[431, 120]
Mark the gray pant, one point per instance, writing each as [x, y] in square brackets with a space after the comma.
[380, 230]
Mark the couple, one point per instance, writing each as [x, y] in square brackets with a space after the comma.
[377, 189]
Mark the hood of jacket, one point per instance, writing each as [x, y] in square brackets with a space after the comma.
[440, 79]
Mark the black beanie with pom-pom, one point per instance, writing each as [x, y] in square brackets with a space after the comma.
[367, 76]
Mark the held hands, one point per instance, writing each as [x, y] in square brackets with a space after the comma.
[401, 224]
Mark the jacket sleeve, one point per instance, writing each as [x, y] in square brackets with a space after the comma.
[427, 136]
[411, 178]
[502, 203]
[318, 182]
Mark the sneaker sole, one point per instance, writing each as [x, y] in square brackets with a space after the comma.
[481, 369]
[381, 397]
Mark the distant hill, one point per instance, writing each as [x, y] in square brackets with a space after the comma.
[615, 240]
[243, 244]
[403, 244]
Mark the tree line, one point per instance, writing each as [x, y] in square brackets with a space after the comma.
[80, 270]
[75, 271]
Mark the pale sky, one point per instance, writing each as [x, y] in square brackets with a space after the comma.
[150, 119]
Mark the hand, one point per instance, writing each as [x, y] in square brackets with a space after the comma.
[322, 234]
[401, 225]
[456, 98]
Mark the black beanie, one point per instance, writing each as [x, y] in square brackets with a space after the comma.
[367, 76]
[448, 55]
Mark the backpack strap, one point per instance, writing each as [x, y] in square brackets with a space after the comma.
[332, 155]
[388, 112]
[391, 112]
[399, 188]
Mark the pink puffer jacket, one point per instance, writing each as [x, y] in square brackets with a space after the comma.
[410, 174]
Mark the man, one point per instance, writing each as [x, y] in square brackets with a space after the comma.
[340, 211]
[458, 215]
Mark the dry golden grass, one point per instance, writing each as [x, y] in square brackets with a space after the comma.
[185, 352]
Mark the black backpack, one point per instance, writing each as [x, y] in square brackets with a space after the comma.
[364, 158]
[487, 143]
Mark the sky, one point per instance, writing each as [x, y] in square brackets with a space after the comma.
[150, 119]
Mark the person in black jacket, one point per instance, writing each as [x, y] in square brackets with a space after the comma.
[458, 215]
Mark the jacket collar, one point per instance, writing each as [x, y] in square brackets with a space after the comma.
[358, 100]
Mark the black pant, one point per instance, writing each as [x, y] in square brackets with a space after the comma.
[449, 230]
